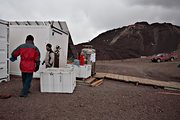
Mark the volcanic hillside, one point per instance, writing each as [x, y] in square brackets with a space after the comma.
[140, 39]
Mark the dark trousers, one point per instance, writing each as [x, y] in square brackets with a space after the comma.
[93, 69]
[26, 81]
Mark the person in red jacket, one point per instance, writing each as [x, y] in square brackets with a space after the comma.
[29, 62]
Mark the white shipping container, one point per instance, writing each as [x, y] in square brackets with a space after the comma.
[4, 54]
[58, 80]
[43, 33]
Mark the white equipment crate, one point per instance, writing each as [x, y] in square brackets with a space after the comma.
[58, 80]
[82, 71]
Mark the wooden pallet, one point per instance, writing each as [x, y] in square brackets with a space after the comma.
[93, 82]
[90, 80]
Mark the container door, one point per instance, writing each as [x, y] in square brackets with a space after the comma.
[3, 51]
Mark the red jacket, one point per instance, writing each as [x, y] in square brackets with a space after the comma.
[30, 57]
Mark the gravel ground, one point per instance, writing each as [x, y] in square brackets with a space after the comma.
[112, 100]
[165, 71]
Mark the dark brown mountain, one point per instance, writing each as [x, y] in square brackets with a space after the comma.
[140, 39]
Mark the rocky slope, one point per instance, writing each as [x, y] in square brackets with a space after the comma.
[140, 39]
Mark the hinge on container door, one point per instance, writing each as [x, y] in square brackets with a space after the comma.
[60, 78]
[1, 68]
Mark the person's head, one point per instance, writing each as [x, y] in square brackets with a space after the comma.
[30, 39]
[48, 47]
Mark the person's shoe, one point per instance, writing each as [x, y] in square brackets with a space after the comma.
[178, 66]
[22, 95]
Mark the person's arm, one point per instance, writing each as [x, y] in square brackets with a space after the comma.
[52, 58]
[15, 54]
[44, 61]
[37, 59]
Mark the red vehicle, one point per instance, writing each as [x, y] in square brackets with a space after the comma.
[164, 57]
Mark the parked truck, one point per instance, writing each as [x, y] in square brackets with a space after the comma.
[161, 57]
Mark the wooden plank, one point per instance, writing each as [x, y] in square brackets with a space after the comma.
[121, 77]
[99, 83]
[100, 75]
[90, 80]
[174, 85]
[95, 83]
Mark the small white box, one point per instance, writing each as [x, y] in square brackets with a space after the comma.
[58, 80]
[82, 71]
